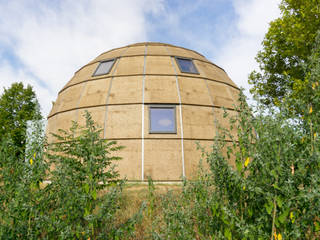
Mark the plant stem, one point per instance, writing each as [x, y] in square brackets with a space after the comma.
[273, 217]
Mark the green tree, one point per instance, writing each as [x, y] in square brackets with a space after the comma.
[287, 44]
[17, 105]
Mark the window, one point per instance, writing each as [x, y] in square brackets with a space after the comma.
[162, 119]
[104, 67]
[186, 65]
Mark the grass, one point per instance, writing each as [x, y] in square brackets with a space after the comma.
[134, 195]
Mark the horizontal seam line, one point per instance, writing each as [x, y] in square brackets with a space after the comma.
[155, 55]
[148, 74]
[146, 103]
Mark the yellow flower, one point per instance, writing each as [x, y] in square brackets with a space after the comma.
[31, 161]
[315, 135]
[244, 187]
[291, 215]
[313, 86]
[310, 110]
[246, 163]
[279, 236]
[34, 155]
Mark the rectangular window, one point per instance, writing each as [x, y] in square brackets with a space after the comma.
[162, 119]
[104, 67]
[186, 65]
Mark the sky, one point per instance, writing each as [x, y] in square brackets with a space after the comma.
[43, 42]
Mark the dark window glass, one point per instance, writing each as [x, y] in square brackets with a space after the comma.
[186, 65]
[162, 119]
[104, 67]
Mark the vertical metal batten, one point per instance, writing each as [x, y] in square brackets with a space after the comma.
[142, 113]
[180, 114]
[109, 90]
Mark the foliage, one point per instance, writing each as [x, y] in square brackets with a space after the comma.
[307, 95]
[272, 192]
[80, 201]
[23, 201]
[287, 44]
[17, 105]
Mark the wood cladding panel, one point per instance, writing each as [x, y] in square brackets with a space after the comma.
[98, 116]
[130, 66]
[64, 120]
[161, 89]
[159, 65]
[123, 121]
[235, 95]
[126, 90]
[176, 51]
[69, 98]
[198, 122]
[136, 50]
[224, 122]
[95, 92]
[111, 54]
[130, 164]
[221, 96]
[192, 156]
[213, 72]
[162, 159]
[194, 91]
[157, 50]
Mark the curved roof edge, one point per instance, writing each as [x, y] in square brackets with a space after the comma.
[152, 44]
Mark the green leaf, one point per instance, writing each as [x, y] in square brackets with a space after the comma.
[86, 187]
[227, 234]
[239, 166]
[283, 216]
[279, 201]
[269, 207]
[94, 194]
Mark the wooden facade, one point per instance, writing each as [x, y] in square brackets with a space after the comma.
[143, 75]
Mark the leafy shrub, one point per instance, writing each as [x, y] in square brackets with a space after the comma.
[82, 197]
[272, 192]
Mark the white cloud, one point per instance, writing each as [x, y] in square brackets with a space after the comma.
[237, 55]
[165, 122]
[10, 75]
[52, 39]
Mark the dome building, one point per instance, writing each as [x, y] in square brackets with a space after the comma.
[155, 99]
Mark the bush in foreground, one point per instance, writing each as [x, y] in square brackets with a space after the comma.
[272, 192]
[82, 198]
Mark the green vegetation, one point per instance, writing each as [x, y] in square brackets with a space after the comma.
[286, 46]
[83, 195]
[271, 192]
[17, 106]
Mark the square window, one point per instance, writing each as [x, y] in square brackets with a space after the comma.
[162, 119]
[186, 65]
[104, 67]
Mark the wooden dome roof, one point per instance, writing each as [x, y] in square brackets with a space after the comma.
[141, 77]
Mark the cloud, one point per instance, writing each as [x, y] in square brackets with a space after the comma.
[237, 54]
[10, 75]
[165, 122]
[50, 40]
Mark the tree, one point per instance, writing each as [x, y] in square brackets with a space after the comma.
[286, 46]
[17, 106]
